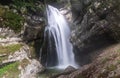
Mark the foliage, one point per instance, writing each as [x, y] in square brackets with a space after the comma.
[13, 21]
[2, 10]
[12, 17]
[9, 71]
[10, 49]
[51, 1]
[29, 5]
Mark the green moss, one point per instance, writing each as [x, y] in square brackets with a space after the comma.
[2, 37]
[80, 76]
[10, 71]
[13, 21]
[9, 49]
[52, 1]
[2, 10]
[24, 63]
[118, 61]
[104, 60]
[29, 5]
[3, 58]
[118, 50]
[111, 67]
[12, 17]
[103, 74]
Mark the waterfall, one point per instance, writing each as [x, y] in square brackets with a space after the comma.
[58, 34]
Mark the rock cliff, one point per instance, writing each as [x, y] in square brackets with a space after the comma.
[96, 25]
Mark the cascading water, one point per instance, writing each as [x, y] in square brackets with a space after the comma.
[58, 35]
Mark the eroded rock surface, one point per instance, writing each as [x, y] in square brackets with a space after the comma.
[32, 69]
[96, 25]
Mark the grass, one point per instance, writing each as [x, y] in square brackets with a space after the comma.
[9, 49]
[10, 71]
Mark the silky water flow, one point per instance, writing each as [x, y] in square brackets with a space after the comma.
[58, 35]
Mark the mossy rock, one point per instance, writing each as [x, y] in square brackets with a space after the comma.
[80, 76]
[10, 71]
[13, 21]
[10, 48]
[111, 67]
[24, 63]
[2, 37]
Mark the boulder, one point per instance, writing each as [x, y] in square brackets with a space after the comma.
[32, 69]
[69, 68]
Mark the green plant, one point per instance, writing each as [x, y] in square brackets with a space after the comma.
[13, 21]
[10, 49]
[3, 58]
[10, 71]
[2, 37]
[28, 4]
[24, 63]
[2, 10]
[51, 1]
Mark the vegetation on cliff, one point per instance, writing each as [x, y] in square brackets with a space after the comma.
[13, 14]
[10, 48]
[16, 58]
[97, 27]
[10, 71]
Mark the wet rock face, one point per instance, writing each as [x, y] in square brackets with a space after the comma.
[96, 26]
[34, 27]
[78, 9]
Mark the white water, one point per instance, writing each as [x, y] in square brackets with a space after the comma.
[59, 29]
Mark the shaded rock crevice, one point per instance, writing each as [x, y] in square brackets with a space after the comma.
[97, 27]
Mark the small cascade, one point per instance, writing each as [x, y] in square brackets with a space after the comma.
[57, 33]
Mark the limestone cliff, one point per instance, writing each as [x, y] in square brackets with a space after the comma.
[96, 25]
